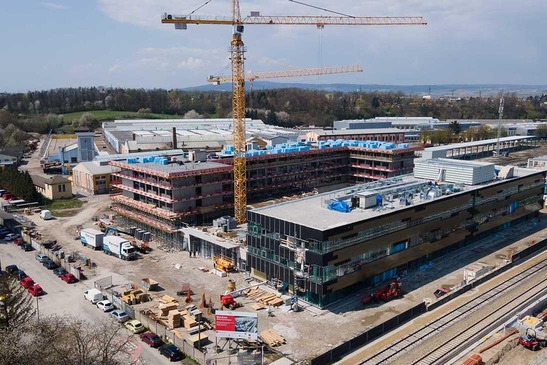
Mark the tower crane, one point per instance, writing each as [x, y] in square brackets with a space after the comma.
[291, 73]
[237, 51]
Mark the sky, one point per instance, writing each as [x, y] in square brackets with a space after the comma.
[122, 43]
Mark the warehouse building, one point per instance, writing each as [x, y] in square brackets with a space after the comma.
[93, 177]
[330, 245]
[375, 134]
[165, 194]
[482, 148]
[128, 136]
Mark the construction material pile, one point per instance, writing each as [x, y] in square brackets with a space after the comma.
[272, 338]
[265, 297]
[134, 296]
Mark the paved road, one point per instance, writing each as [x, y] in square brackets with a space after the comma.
[67, 299]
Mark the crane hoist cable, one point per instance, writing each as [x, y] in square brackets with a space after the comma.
[319, 8]
[199, 7]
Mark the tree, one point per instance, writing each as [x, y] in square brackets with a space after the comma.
[454, 127]
[65, 340]
[17, 308]
[541, 131]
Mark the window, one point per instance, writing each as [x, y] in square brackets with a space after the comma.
[61, 187]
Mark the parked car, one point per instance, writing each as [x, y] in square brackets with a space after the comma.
[50, 265]
[21, 274]
[11, 269]
[135, 326]
[105, 305]
[171, 352]
[19, 241]
[36, 290]
[151, 339]
[41, 257]
[26, 282]
[69, 278]
[11, 236]
[27, 247]
[119, 315]
[3, 234]
[60, 271]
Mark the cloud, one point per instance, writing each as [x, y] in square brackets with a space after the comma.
[464, 41]
[55, 6]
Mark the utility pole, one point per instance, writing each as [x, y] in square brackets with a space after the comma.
[500, 112]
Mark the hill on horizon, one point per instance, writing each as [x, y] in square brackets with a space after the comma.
[436, 91]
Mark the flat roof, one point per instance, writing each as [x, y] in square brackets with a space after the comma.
[477, 143]
[313, 212]
[123, 156]
[357, 131]
[210, 238]
[176, 168]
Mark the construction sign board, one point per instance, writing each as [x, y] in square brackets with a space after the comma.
[236, 325]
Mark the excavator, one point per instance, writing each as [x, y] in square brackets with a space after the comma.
[392, 290]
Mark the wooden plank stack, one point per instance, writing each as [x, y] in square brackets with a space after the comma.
[272, 338]
[265, 297]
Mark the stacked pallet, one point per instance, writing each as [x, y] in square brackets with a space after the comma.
[272, 338]
[265, 297]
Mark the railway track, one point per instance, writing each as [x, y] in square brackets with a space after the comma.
[447, 347]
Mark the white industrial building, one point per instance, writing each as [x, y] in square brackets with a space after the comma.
[127, 136]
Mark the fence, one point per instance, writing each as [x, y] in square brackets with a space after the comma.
[164, 332]
[370, 335]
[45, 146]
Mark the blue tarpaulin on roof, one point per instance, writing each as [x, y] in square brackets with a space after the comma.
[340, 206]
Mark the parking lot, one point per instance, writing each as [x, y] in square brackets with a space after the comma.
[67, 299]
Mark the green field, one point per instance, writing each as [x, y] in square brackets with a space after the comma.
[64, 207]
[113, 114]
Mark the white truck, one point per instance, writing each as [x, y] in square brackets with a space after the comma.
[92, 238]
[93, 295]
[119, 247]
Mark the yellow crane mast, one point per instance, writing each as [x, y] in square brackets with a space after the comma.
[292, 73]
[237, 51]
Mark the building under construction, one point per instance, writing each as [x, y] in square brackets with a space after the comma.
[162, 195]
[331, 245]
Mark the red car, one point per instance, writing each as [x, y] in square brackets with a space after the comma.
[36, 290]
[69, 278]
[26, 282]
[18, 241]
[151, 338]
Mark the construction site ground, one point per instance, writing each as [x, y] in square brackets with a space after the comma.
[332, 325]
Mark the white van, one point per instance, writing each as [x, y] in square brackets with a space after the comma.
[45, 214]
[93, 295]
